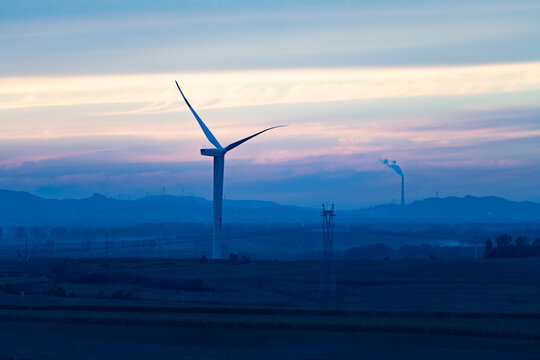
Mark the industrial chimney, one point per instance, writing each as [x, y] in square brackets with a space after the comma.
[402, 192]
[392, 164]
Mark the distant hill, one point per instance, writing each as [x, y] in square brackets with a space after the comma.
[21, 208]
[465, 209]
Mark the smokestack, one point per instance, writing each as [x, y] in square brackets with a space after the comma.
[392, 164]
[403, 192]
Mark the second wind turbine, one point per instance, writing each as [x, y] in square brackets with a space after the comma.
[218, 153]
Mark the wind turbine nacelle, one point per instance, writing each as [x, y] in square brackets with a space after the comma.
[213, 152]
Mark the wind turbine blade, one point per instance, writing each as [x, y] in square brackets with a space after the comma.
[205, 129]
[239, 142]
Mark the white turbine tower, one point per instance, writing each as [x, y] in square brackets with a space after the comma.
[219, 161]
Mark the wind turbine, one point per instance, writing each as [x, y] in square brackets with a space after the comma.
[218, 153]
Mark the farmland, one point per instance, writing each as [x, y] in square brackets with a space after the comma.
[268, 309]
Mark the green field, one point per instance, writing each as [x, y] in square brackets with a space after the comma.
[184, 309]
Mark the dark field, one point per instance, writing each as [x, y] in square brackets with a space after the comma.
[162, 308]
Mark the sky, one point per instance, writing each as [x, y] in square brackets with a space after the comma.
[450, 90]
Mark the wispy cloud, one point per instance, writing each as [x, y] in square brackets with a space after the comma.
[156, 92]
[17, 162]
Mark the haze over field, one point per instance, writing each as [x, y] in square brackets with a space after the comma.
[450, 90]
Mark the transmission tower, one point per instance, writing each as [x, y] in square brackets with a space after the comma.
[328, 276]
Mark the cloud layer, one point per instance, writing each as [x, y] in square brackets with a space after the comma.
[88, 101]
[264, 87]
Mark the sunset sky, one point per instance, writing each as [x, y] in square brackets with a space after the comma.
[451, 90]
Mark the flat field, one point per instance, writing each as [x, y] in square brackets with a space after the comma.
[182, 309]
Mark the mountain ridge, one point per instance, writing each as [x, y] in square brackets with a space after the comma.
[19, 208]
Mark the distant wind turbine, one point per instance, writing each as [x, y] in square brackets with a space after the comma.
[219, 161]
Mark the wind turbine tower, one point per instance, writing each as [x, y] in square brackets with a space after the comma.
[218, 153]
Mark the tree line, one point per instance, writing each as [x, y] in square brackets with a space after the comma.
[506, 247]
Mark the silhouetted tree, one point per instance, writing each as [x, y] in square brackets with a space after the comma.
[522, 242]
[233, 258]
[489, 249]
[536, 247]
[505, 248]
[503, 241]
[523, 248]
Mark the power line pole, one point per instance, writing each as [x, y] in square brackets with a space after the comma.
[328, 276]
